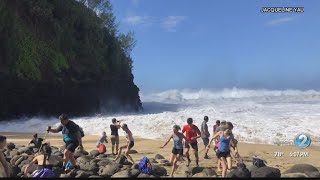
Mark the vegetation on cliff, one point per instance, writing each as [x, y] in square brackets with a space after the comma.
[64, 42]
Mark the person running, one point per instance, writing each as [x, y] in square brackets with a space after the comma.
[115, 126]
[219, 128]
[216, 126]
[234, 146]
[205, 135]
[44, 160]
[192, 134]
[225, 142]
[103, 139]
[177, 150]
[71, 137]
[36, 141]
[4, 168]
[129, 145]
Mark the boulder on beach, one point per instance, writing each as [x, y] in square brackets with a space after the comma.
[94, 153]
[294, 175]
[266, 172]
[158, 170]
[239, 173]
[84, 159]
[158, 156]
[109, 170]
[301, 168]
[129, 173]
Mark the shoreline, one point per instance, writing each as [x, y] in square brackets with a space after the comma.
[149, 148]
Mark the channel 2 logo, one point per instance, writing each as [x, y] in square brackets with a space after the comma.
[302, 141]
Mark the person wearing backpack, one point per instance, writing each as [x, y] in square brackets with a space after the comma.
[72, 137]
[177, 150]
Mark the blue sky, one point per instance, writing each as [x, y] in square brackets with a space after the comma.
[217, 44]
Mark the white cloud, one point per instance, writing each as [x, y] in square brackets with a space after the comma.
[279, 21]
[170, 23]
[138, 20]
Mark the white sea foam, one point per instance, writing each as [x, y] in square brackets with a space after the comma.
[259, 116]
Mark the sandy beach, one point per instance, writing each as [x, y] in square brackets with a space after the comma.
[149, 148]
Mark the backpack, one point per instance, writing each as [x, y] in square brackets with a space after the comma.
[145, 166]
[44, 172]
[102, 149]
[258, 162]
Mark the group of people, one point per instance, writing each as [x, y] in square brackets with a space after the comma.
[225, 143]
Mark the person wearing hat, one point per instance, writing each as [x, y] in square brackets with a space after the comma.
[177, 150]
[71, 137]
[205, 135]
[192, 134]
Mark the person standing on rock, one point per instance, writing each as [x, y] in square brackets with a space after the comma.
[177, 150]
[128, 146]
[205, 135]
[115, 126]
[234, 145]
[71, 137]
[4, 168]
[192, 134]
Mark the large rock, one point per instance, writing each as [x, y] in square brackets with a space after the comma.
[84, 174]
[65, 176]
[94, 153]
[158, 170]
[313, 174]
[10, 146]
[158, 156]
[32, 168]
[252, 168]
[294, 175]
[209, 172]
[58, 153]
[129, 173]
[95, 176]
[301, 168]
[104, 162]
[122, 159]
[109, 170]
[239, 173]
[89, 167]
[101, 156]
[135, 166]
[200, 175]
[25, 150]
[141, 175]
[13, 153]
[153, 160]
[266, 172]
[84, 159]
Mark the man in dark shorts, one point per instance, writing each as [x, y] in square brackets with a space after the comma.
[205, 135]
[115, 126]
[71, 137]
[192, 134]
[36, 141]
